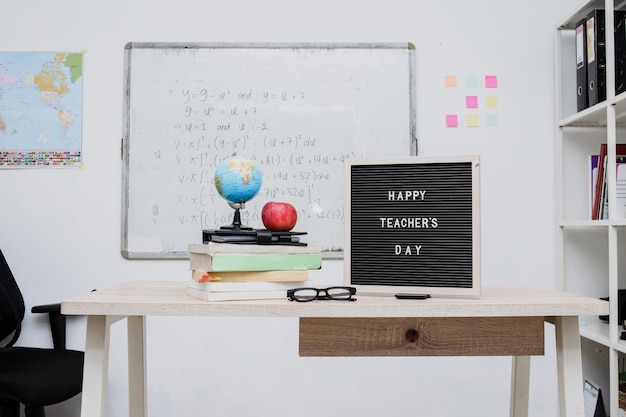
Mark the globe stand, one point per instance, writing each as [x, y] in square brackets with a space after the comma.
[236, 225]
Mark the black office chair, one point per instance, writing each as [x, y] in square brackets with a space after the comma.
[34, 377]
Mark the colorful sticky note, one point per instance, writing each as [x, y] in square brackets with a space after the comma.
[492, 120]
[491, 102]
[491, 81]
[471, 81]
[471, 102]
[452, 120]
[450, 81]
[471, 120]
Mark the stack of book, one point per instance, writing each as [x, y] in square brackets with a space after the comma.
[229, 271]
[598, 183]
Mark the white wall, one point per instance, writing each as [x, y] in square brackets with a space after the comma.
[60, 229]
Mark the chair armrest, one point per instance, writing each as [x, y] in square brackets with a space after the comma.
[57, 323]
[47, 308]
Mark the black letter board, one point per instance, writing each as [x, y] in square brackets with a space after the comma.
[413, 225]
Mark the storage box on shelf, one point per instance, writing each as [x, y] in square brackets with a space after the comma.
[592, 253]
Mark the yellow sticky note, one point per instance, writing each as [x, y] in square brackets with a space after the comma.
[491, 102]
[450, 80]
[471, 120]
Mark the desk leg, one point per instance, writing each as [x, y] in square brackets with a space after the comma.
[137, 366]
[520, 386]
[569, 367]
[95, 373]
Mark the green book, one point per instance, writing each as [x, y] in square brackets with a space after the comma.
[254, 262]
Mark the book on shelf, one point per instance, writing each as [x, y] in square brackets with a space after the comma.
[222, 291]
[620, 184]
[581, 65]
[596, 57]
[620, 51]
[593, 180]
[599, 194]
[599, 182]
[205, 258]
[592, 399]
[249, 276]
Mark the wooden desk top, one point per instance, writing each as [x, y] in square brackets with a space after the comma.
[145, 298]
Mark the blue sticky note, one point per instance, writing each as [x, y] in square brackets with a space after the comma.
[492, 120]
[471, 81]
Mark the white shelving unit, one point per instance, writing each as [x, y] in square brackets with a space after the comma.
[591, 253]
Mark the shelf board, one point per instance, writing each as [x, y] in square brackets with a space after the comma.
[586, 223]
[594, 116]
[581, 11]
[592, 223]
[621, 346]
[596, 330]
[619, 102]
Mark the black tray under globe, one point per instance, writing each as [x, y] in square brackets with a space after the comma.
[253, 237]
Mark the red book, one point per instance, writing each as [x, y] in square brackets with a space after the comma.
[596, 203]
[620, 149]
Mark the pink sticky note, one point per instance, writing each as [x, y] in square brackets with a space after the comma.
[471, 102]
[491, 81]
[450, 81]
[452, 120]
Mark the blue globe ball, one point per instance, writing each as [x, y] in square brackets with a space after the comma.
[238, 180]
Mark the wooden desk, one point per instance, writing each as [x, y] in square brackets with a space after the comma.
[371, 326]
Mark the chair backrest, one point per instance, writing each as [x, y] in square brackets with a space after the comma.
[11, 305]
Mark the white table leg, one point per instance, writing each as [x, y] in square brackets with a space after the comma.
[569, 367]
[96, 367]
[520, 386]
[137, 366]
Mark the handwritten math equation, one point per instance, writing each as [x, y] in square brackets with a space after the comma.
[299, 162]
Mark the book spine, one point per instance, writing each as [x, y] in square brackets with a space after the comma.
[243, 286]
[236, 295]
[252, 276]
[200, 261]
[213, 248]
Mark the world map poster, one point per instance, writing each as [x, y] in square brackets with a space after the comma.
[41, 97]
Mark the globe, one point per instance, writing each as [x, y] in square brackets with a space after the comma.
[238, 180]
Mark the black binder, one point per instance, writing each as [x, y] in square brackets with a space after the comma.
[581, 65]
[620, 52]
[594, 403]
[596, 57]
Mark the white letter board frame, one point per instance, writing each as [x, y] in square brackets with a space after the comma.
[413, 226]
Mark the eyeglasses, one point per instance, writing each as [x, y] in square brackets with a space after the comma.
[330, 293]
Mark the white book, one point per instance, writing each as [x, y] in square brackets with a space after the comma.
[236, 295]
[250, 276]
[217, 247]
[232, 286]
[620, 202]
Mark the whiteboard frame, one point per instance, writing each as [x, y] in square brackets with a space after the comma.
[125, 146]
[390, 290]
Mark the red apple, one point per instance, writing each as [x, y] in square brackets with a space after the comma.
[279, 217]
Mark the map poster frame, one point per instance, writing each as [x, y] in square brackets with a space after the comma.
[413, 226]
[41, 109]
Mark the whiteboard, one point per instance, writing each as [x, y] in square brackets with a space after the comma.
[299, 111]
